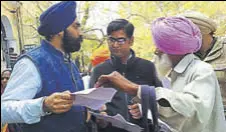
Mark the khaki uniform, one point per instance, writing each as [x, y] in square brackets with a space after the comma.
[217, 58]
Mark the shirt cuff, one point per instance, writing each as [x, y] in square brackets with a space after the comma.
[139, 92]
[42, 111]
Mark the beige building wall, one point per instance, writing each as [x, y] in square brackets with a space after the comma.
[9, 21]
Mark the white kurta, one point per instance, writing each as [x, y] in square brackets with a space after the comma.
[195, 98]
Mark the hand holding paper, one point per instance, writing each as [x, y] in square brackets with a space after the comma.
[93, 98]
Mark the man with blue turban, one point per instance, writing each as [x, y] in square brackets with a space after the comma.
[193, 103]
[38, 92]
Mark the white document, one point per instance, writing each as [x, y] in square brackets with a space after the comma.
[119, 121]
[94, 98]
[166, 82]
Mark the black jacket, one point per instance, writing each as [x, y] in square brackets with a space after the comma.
[137, 70]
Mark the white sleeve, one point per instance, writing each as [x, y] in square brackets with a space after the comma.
[192, 101]
[18, 105]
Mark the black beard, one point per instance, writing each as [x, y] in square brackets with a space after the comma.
[70, 43]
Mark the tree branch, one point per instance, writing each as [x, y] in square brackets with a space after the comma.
[131, 15]
[94, 30]
[39, 7]
[91, 38]
[160, 8]
[146, 20]
[30, 26]
[101, 42]
[86, 14]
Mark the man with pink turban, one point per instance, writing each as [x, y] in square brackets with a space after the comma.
[193, 103]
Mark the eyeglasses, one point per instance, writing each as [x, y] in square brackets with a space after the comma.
[158, 52]
[7, 78]
[120, 41]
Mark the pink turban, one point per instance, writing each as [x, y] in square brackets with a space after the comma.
[176, 35]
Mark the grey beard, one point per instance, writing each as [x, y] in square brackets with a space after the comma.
[163, 65]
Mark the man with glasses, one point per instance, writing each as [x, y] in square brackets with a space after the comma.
[193, 103]
[123, 60]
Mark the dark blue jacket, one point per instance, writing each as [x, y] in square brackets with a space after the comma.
[57, 75]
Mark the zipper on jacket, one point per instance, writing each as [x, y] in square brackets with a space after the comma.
[126, 97]
[73, 77]
[71, 71]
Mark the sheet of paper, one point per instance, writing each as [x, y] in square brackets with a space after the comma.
[166, 82]
[119, 121]
[94, 98]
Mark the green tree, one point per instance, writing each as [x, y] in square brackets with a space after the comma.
[142, 13]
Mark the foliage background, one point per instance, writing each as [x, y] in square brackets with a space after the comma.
[95, 15]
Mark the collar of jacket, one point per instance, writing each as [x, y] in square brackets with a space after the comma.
[61, 55]
[184, 63]
[119, 66]
[202, 56]
[217, 50]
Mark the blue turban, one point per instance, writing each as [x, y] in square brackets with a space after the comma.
[57, 18]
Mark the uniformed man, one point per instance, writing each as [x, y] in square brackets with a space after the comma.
[213, 49]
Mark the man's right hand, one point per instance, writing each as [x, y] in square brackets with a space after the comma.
[58, 102]
[119, 81]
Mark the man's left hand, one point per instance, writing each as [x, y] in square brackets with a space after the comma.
[134, 110]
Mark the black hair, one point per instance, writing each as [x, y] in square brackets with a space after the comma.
[23, 51]
[11, 49]
[120, 24]
[49, 37]
[6, 71]
[212, 33]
